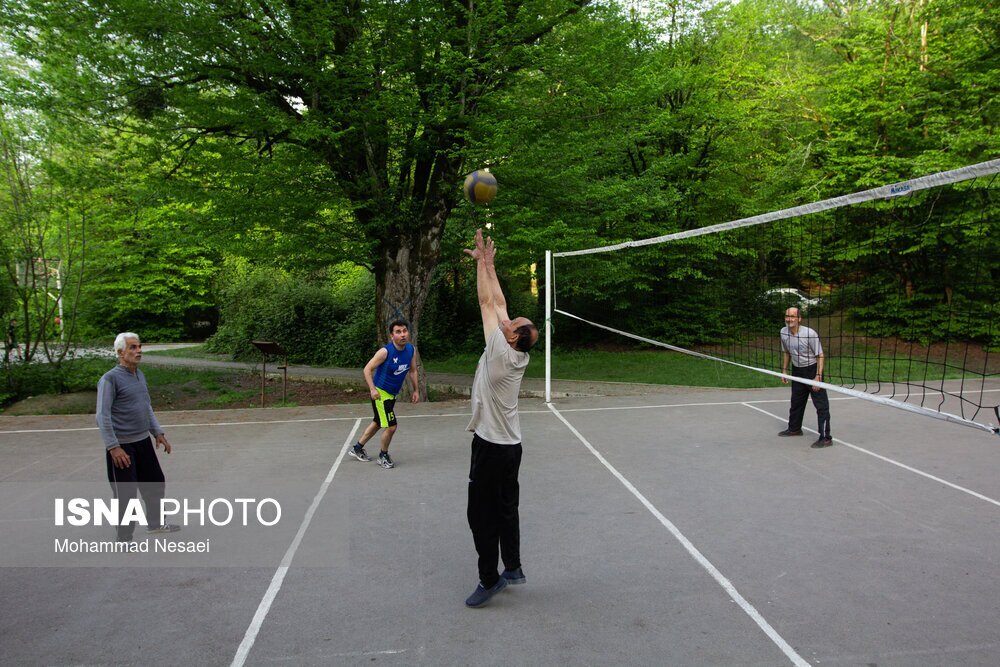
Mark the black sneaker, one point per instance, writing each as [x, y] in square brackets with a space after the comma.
[481, 595]
[514, 577]
[359, 453]
[788, 432]
[385, 460]
[163, 528]
[822, 442]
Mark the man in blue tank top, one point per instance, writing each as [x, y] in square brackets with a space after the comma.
[385, 374]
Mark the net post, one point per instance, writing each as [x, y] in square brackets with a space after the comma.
[548, 326]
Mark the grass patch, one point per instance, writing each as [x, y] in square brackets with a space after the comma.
[227, 397]
[674, 368]
[647, 367]
[169, 375]
[660, 367]
[193, 352]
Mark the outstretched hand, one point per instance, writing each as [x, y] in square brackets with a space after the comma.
[484, 250]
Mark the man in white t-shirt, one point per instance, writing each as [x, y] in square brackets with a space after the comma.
[496, 445]
[800, 345]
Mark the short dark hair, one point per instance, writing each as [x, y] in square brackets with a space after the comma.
[398, 323]
[525, 334]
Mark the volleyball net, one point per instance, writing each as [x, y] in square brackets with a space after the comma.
[899, 282]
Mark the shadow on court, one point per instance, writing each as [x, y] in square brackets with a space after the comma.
[668, 529]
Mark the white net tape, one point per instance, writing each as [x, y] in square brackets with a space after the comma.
[983, 169]
[884, 192]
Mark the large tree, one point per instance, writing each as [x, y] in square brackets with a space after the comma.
[383, 96]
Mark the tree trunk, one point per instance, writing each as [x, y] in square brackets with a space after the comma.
[403, 281]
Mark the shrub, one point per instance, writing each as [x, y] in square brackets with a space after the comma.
[318, 321]
[24, 380]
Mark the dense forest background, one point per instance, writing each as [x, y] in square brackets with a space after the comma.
[291, 170]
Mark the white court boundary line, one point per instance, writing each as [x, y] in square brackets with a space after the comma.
[279, 575]
[717, 403]
[727, 585]
[198, 425]
[307, 420]
[461, 414]
[304, 420]
[894, 462]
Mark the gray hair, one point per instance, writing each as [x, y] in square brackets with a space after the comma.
[121, 338]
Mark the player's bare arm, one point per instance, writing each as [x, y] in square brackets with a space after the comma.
[414, 378]
[377, 360]
[484, 253]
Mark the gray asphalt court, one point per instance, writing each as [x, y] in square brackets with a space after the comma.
[669, 528]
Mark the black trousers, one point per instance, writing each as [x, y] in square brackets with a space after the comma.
[143, 475]
[494, 494]
[800, 396]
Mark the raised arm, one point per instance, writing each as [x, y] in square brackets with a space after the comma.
[492, 303]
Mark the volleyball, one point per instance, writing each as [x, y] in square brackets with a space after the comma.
[480, 187]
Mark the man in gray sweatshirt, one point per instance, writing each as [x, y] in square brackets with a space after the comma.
[494, 491]
[125, 418]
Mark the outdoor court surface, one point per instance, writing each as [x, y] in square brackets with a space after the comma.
[668, 529]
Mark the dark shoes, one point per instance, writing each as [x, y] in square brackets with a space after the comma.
[481, 595]
[514, 577]
[359, 453]
[163, 528]
[821, 442]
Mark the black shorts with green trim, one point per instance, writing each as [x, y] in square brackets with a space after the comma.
[385, 409]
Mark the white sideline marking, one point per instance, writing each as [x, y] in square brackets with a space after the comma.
[466, 414]
[350, 654]
[691, 549]
[279, 575]
[247, 423]
[24, 467]
[166, 426]
[888, 460]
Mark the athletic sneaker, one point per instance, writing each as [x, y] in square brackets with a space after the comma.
[514, 577]
[482, 595]
[359, 453]
[163, 528]
[385, 460]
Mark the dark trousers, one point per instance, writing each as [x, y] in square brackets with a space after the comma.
[800, 396]
[493, 499]
[143, 475]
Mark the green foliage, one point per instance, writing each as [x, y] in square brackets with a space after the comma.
[312, 132]
[24, 380]
[305, 141]
[452, 322]
[322, 321]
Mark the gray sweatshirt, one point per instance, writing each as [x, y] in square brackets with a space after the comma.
[124, 411]
[495, 389]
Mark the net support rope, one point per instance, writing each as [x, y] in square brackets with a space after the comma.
[901, 188]
[920, 410]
